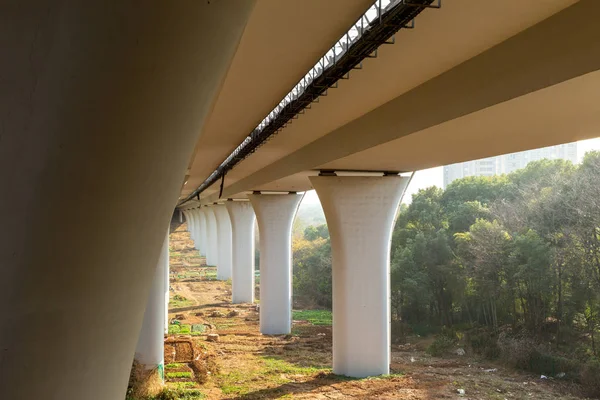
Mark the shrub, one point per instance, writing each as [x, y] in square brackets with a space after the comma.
[516, 351]
[484, 343]
[524, 353]
[185, 329]
[441, 345]
[589, 377]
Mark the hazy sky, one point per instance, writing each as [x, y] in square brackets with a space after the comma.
[435, 176]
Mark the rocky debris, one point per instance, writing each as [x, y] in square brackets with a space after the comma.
[233, 313]
[199, 314]
[217, 314]
[180, 317]
[460, 352]
[212, 337]
[461, 392]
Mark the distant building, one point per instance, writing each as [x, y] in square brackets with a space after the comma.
[508, 163]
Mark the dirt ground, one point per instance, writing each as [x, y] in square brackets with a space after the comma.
[249, 365]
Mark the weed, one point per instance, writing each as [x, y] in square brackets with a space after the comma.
[441, 345]
[274, 365]
[179, 394]
[174, 366]
[179, 374]
[185, 329]
[179, 301]
[315, 317]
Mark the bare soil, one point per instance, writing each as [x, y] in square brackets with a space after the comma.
[249, 365]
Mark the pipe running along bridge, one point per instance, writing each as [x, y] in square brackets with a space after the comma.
[114, 114]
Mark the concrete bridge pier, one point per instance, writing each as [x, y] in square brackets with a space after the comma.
[275, 214]
[149, 352]
[212, 250]
[201, 231]
[224, 242]
[192, 227]
[242, 273]
[197, 236]
[101, 105]
[360, 215]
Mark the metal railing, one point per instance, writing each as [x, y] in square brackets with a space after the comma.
[381, 21]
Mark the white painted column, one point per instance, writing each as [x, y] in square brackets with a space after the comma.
[223, 242]
[242, 273]
[186, 214]
[192, 225]
[275, 214]
[204, 232]
[360, 216]
[201, 235]
[197, 241]
[149, 351]
[212, 256]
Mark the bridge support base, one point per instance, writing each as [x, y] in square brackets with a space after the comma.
[149, 352]
[242, 273]
[101, 105]
[201, 231]
[275, 214]
[360, 215]
[224, 242]
[212, 255]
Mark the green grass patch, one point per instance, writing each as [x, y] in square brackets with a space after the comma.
[174, 329]
[179, 374]
[179, 301]
[315, 317]
[174, 366]
[185, 329]
[182, 385]
[278, 366]
[179, 394]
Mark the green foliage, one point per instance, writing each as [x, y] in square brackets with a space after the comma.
[174, 365]
[442, 345]
[315, 232]
[315, 317]
[179, 374]
[179, 394]
[174, 329]
[185, 329]
[589, 378]
[483, 342]
[179, 301]
[312, 267]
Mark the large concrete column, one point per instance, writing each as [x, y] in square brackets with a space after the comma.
[149, 352]
[223, 242]
[201, 227]
[242, 273]
[101, 104]
[212, 252]
[275, 214]
[360, 216]
[204, 232]
[192, 227]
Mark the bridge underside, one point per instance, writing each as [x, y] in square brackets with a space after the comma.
[534, 88]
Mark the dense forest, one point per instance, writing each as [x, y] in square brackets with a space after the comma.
[509, 265]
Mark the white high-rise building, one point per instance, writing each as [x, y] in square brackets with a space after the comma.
[508, 163]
